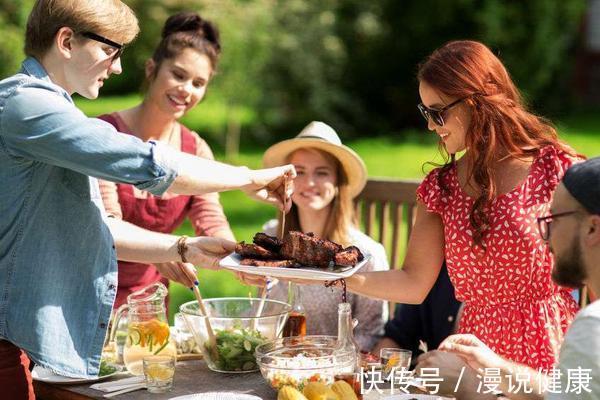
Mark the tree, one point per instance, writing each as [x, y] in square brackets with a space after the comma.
[13, 18]
[534, 38]
[303, 78]
[353, 63]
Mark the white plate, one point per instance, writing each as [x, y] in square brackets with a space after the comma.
[45, 375]
[216, 396]
[232, 262]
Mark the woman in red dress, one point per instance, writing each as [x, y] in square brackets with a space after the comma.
[178, 74]
[478, 211]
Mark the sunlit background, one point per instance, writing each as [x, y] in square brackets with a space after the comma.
[352, 64]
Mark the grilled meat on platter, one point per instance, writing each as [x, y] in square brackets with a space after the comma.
[297, 249]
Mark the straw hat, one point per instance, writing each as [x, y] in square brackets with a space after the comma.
[321, 136]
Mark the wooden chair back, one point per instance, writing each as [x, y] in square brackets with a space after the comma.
[385, 211]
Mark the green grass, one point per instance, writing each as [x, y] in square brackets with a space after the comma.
[385, 156]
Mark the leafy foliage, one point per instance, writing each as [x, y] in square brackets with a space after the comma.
[351, 63]
[13, 18]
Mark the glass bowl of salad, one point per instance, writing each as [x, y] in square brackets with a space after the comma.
[296, 361]
[239, 325]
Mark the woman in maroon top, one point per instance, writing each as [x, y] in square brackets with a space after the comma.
[178, 74]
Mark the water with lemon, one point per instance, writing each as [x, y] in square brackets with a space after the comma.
[144, 339]
[148, 332]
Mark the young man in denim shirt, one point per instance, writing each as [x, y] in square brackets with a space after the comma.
[58, 251]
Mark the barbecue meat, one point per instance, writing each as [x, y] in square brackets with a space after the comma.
[268, 242]
[267, 263]
[309, 250]
[296, 250]
[349, 256]
[255, 251]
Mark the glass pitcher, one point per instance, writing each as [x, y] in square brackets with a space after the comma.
[147, 327]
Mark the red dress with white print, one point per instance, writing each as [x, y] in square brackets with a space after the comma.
[511, 302]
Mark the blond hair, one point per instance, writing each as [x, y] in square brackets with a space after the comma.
[109, 18]
[341, 217]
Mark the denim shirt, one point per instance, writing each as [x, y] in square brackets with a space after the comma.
[58, 268]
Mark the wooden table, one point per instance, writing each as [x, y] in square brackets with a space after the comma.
[190, 377]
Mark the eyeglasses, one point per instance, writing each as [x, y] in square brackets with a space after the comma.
[544, 223]
[104, 40]
[436, 116]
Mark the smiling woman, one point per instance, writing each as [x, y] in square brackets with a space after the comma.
[329, 176]
[177, 77]
[449, 119]
[479, 211]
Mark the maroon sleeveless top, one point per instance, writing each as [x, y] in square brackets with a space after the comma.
[153, 213]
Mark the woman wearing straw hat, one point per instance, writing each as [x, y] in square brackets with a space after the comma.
[330, 176]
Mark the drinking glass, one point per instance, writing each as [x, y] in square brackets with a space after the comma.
[159, 372]
[394, 358]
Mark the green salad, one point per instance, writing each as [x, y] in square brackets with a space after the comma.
[106, 368]
[235, 348]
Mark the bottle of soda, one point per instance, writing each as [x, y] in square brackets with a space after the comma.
[296, 323]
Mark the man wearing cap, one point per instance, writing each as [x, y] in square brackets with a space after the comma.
[572, 230]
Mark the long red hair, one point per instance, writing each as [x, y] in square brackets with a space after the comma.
[501, 126]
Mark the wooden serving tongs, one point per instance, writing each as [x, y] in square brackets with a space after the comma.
[212, 339]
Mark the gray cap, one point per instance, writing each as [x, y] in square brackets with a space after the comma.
[582, 181]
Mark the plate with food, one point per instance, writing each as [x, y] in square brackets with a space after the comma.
[107, 370]
[297, 255]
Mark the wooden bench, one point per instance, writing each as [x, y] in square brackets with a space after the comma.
[385, 212]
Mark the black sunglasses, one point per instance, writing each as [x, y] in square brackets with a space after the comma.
[104, 40]
[545, 222]
[436, 116]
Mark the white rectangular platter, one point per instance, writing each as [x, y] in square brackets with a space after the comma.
[232, 262]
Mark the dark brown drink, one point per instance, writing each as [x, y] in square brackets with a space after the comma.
[295, 325]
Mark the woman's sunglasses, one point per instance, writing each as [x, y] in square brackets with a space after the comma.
[437, 116]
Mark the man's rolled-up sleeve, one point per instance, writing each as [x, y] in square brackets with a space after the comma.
[41, 125]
